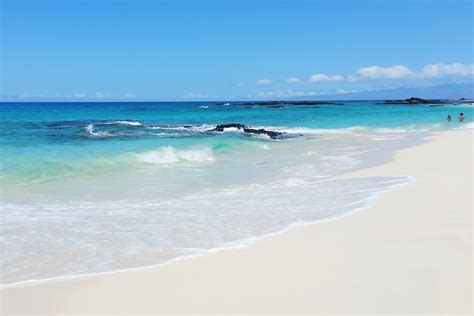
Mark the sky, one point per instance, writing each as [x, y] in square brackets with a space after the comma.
[229, 50]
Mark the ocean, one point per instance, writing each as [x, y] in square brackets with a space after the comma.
[98, 187]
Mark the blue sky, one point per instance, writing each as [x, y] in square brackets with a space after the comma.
[223, 50]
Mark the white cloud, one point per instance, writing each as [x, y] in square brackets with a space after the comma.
[337, 78]
[80, 95]
[100, 95]
[304, 93]
[318, 78]
[377, 72]
[351, 78]
[289, 93]
[294, 80]
[264, 81]
[403, 72]
[269, 94]
[325, 78]
[342, 91]
[30, 96]
[285, 94]
[192, 95]
[129, 95]
[447, 70]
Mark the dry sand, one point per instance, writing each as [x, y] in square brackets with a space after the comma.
[409, 253]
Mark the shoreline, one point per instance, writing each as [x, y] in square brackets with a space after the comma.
[413, 139]
[238, 244]
[13, 293]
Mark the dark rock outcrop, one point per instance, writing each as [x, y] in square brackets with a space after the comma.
[415, 101]
[313, 103]
[222, 127]
[283, 103]
[468, 101]
[261, 131]
[271, 134]
[265, 103]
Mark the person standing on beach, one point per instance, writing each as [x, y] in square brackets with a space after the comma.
[461, 117]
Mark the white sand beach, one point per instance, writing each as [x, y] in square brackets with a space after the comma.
[411, 252]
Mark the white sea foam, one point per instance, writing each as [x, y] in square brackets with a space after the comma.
[136, 233]
[90, 129]
[192, 128]
[129, 123]
[170, 155]
[358, 130]
[233, 130]
[469, 125]
[461, 105]
[317, 131]
[243, 195]
[406, 129]
[352, 129]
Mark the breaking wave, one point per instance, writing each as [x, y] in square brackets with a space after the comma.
[126, 123]
[190, 128]
[352, 129]
[469, 125]
[210, 129]
[90, 130]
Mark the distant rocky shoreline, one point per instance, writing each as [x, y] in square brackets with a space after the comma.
[416, 101]
[409, 101]
[281, 103]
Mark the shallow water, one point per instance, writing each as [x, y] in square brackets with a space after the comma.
[95, 187]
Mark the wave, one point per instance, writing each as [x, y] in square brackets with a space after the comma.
[308, 130]
[291, 131]
[127, 123]
[406, 129]
[135, 129]
[171, 155]
[90, 129]
[469, 125]
[214, 220]
[285, 131]
[191, 128]
[353, 129]
[44, 170]
[461, 105]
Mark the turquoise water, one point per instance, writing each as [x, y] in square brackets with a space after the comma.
[42, 141]
[95, 187]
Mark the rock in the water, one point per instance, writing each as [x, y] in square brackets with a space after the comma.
[413, 100]
[277, 104]
[222, 127]
[261, 131]
[271, 134]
